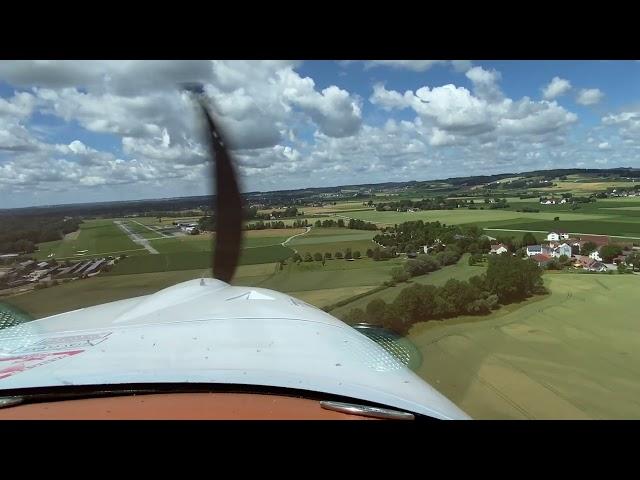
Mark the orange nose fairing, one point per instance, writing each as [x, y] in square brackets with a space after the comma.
[178, 406]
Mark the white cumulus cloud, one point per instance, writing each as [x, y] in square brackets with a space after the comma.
[557, 87]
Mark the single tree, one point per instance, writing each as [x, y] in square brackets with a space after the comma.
[608, 252]
[529, 239]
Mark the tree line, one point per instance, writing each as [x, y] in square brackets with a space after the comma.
[320, 257]
[508, 279]
[21, 234]
[208, 223]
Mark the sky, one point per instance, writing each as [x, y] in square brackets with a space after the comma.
[87, 131]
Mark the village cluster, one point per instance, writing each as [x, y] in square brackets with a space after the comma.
[561, 244]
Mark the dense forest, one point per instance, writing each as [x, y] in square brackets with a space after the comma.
[20, 234]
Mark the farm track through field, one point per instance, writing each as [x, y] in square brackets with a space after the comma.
[284, 244]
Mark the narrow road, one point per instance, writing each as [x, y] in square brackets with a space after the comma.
[284, 244]
[136, 238]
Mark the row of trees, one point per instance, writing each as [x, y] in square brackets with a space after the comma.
[436, 203]
[360, 225]
[208, 224]
[330, 223]
[507, 279]
[319, 257]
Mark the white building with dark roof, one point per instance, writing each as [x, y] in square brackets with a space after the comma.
[498, 249]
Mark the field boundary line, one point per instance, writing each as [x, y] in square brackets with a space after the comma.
[570, 233]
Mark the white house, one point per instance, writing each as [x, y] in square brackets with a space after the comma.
[557, 235]
[595, 255]
[563, 249]
[498, 249]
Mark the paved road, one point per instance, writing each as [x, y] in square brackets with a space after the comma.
[136, 238]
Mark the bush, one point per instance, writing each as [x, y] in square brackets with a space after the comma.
[338, 255]
[327, 256]
[317, 257]
[308, 257]
[355, 315]
[369, 253]
[356, 254]
[399, 275]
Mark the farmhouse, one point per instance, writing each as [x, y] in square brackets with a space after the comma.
[596, 266]
[563, 249]
[498, 249]
[557, 235]
[553, 250]
[595, 255]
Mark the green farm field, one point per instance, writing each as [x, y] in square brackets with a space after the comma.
[99, 237]
[335, 274]
[107, 288]
[572, 354]
[585, 186]
[332, 240]
[188, 260]
[463, 216]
